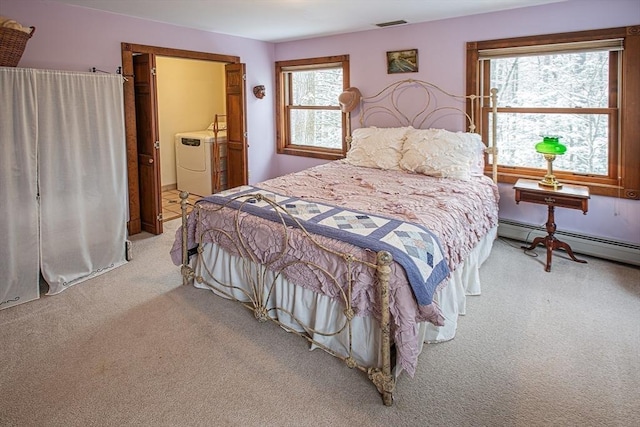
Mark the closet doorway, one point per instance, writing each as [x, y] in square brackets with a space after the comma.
[141, 126]
[190, 94]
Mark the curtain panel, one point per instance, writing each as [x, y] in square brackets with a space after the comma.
[19, 232]
[78, 184]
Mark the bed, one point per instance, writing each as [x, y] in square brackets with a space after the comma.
[367, 257]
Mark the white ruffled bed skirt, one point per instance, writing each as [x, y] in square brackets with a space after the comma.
[325, 315]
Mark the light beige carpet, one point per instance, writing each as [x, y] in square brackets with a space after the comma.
[135, 348]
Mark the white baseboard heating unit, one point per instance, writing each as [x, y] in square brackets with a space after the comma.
[613, 250]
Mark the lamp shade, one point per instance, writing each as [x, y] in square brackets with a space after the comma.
[550, 145]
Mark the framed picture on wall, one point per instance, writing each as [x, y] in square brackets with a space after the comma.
[402, 61]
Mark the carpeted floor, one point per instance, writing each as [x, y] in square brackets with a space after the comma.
[135, 348]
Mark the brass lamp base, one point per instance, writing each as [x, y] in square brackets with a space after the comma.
[550, 181]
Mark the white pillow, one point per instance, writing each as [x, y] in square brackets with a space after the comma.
[477, 163]
[379, 148]
[441, 153]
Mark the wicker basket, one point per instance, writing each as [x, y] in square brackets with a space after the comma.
[12, 44]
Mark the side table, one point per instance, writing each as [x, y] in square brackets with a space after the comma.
[569, 196]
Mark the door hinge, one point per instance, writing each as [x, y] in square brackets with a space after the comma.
[159, 217]
[156, 145]
[244, 77]
[153, 71]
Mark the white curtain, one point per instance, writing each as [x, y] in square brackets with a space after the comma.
[82, 176]
[19, 244]
[81, 172]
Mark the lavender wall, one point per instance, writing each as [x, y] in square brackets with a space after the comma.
[441, 48]
[76, 39]
[73, 38]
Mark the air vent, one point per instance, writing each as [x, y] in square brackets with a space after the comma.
[391, 23]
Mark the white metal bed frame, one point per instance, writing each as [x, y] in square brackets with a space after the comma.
[258, 288]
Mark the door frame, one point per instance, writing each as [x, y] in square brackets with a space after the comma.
[128, 50]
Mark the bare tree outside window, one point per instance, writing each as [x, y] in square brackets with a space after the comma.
[581, 86]
[309, 119]
[311, 123]
[554, 95]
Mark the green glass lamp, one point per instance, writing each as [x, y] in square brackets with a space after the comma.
[550, 147]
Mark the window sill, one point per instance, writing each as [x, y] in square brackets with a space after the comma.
[316, 154]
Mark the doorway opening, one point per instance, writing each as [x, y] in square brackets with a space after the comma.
[190, 95]
[142, 130]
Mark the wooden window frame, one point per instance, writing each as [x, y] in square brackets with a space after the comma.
[624, 133]
[283, 139]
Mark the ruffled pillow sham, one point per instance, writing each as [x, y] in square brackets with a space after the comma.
[379, 148]
[441, 153]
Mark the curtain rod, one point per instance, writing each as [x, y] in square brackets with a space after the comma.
[118, 71]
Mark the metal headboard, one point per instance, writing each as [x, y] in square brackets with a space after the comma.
[435, 108]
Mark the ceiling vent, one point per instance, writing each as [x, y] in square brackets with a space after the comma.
[391, 23]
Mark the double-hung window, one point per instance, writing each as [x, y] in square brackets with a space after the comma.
[574, 85]
[309, 120]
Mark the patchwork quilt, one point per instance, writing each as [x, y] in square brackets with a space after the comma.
[412, 246]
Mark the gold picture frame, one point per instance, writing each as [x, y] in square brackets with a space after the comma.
[402, 61]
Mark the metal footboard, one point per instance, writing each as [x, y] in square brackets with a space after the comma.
[259, 278]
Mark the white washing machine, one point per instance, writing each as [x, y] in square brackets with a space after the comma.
[194, 152]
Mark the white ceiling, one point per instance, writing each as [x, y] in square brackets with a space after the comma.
[287, 20]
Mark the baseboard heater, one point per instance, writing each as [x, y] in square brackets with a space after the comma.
[580, 243]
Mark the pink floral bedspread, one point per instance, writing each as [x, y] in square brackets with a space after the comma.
[458, 212]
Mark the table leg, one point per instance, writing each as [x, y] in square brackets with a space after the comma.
[535, 243]
[547, 241]
[551, 243]
[562, 245]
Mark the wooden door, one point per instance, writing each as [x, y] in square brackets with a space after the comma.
[237, 171]
[147, 136]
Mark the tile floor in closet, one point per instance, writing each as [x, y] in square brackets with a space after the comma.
[171, 204]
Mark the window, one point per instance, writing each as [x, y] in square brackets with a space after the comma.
[309, 120]
[574, 85]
